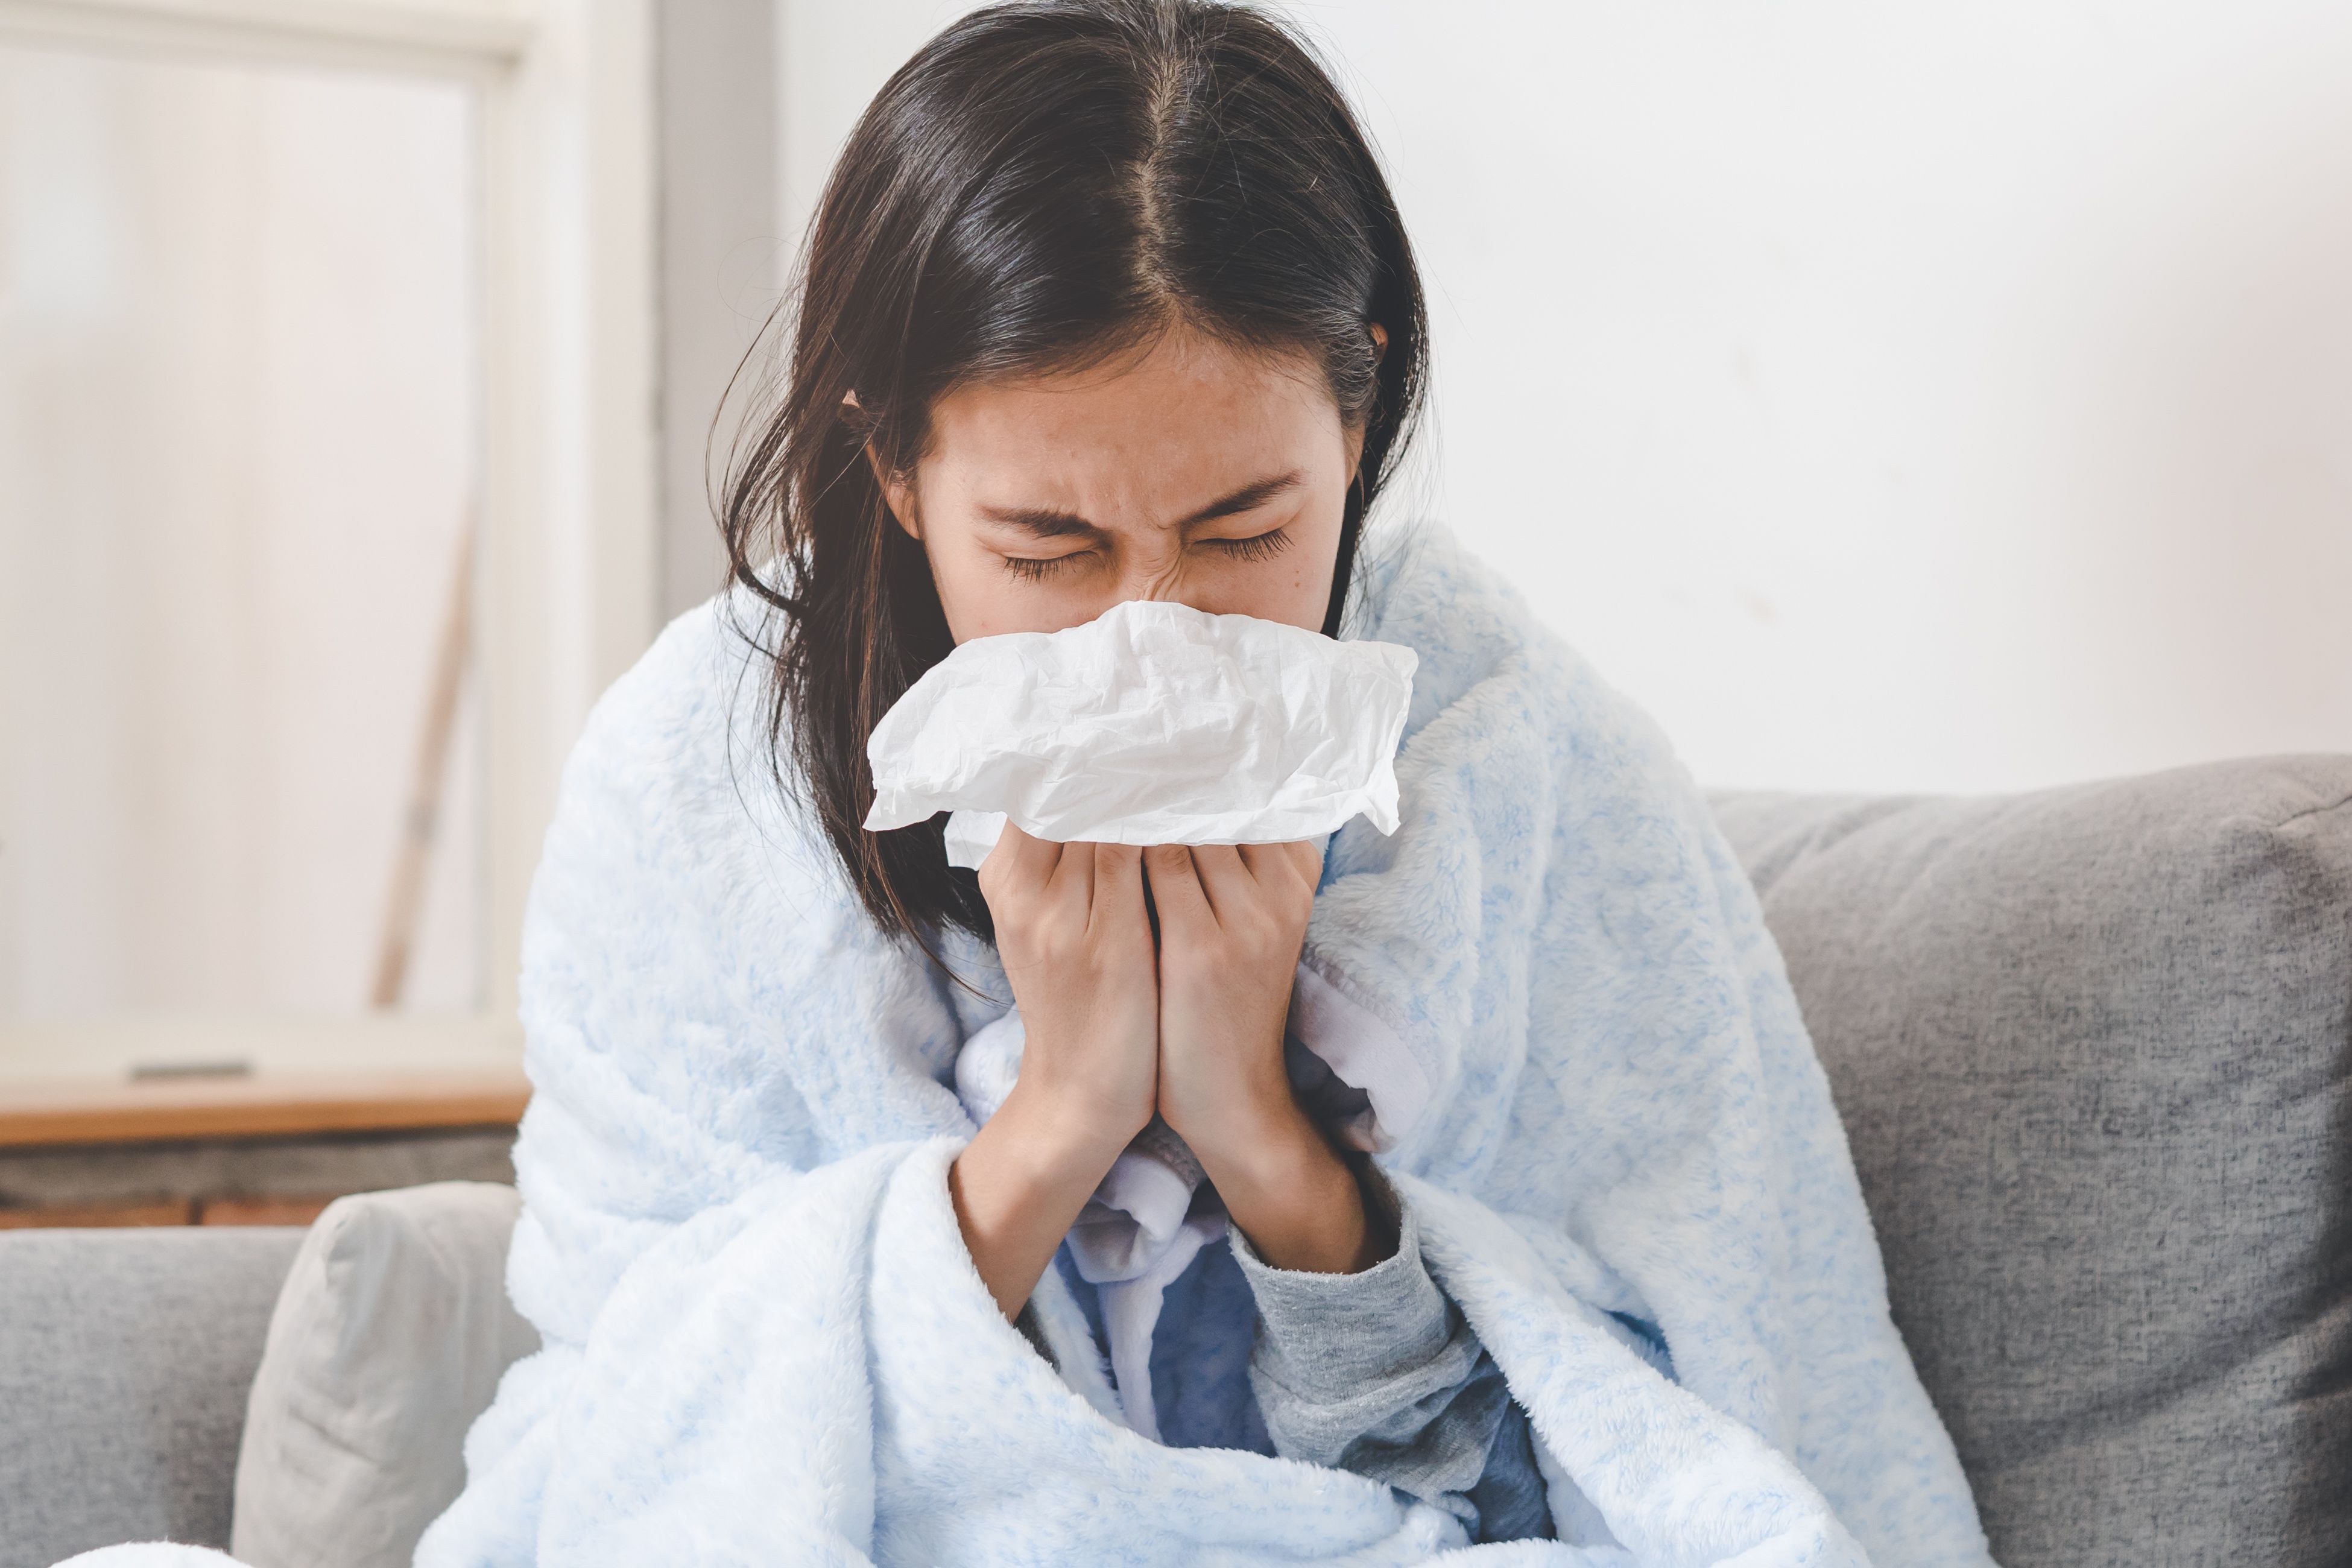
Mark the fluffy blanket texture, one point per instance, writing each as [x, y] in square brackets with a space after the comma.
[766, 1343]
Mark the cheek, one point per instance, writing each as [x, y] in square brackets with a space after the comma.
[979, 598]
[1294, 587]
[973, 594]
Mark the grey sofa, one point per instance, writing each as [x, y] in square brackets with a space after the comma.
[2093, 1051]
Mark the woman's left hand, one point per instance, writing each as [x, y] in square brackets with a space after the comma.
[1233, 920]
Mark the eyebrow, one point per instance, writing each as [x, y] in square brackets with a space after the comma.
[1049, 523]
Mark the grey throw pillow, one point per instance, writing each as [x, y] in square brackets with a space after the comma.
[388, 1340]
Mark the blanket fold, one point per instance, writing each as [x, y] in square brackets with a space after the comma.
[1571, 1041]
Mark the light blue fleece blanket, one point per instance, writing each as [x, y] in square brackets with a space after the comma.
[765, 1342]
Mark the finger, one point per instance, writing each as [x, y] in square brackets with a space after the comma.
[1020, 857]
[1118, 882]
[1176, 886]
[1266, 863]
[1073, 877]
[1279, 865]
[1224, 877]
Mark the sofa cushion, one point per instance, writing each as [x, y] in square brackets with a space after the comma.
[2092, 1049]
[387, 1341]
[124, 1360]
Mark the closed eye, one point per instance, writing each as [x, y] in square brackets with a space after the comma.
[1037, 568]
[1257, 547]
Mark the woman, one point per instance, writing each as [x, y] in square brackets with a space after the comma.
[1108, 300]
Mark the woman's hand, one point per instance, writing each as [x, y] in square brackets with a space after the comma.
[1076, 947]
[1232, 921]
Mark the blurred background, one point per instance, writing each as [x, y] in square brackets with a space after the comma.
[1952, 398]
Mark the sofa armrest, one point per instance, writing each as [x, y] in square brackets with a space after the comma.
[125, 1358]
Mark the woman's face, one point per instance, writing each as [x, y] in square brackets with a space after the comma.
[1186, 470]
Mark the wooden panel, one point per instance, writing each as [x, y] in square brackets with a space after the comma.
[63, 1111]
[176, 1211]
[259, 1211]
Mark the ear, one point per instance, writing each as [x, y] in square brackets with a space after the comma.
[897, 494]
[1380, 341]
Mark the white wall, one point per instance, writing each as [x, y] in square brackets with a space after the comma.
[722, 258]
[1943, 397]
[831, 59]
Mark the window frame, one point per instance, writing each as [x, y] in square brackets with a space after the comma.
[566, 575]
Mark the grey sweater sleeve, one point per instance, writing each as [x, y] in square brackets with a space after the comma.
[1378, 1372]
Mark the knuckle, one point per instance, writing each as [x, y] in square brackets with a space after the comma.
[1040, 929]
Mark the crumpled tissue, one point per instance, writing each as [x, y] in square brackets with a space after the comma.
[1153, 723]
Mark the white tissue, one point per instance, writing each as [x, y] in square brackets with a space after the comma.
[1154, 723]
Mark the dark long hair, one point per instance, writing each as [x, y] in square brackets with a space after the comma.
[1044, 183]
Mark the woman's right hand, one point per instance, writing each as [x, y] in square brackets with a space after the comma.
[1076, 945]
[1077, 948]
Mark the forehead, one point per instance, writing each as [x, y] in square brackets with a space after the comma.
[1181, 410]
